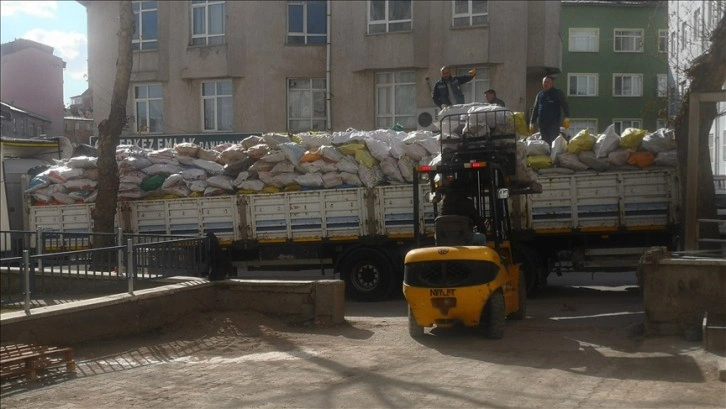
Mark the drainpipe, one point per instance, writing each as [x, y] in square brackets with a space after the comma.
[328, 121]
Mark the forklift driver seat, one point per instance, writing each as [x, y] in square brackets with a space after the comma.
[453, 230]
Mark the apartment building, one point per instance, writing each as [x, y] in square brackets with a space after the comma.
[211, 66]
[31, 79]
[615, 63]
[690, 25]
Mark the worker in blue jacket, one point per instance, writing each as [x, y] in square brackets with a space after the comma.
[447, 91]
[549, 106]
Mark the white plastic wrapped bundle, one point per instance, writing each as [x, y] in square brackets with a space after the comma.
[163, 168]
[282, 167]
[310, 180]
[607, 142]
[82, 162]
[273, 140]
[481, 119]
[194, 174]
[347, 164]
[232, 154]
[389, 167]
[331, 153]
[62, 174]
[311, 140]
[134, 162]
[80, 184]
[405, 165]
[332, 179]
[370, 177]
[659, 141]
[162, 156]
[212, 168]
[274, 156]
[350, 179]
[196, 185]
[175, 179]
[221, 181]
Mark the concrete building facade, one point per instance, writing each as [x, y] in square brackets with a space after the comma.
[690, 25]
[615, 63]
[31, 79]
[265, 66]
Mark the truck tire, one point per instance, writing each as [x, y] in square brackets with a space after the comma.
[521, 313]
[493, 316]
[534, 268]
[414, 330]
[367, 273]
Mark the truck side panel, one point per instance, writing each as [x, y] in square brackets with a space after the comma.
[394, 211]
[337, 214]
[603, 202]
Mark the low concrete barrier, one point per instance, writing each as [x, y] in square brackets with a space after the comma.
[319, 302]
[677, 293]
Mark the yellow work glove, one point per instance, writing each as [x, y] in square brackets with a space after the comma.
[472, 73]
[531, 128]
[566, 123]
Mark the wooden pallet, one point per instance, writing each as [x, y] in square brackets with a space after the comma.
[28, 360]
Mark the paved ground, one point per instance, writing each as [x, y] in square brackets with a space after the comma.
[580, 347]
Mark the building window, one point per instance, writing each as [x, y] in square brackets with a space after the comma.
[468, 13]
[217, 112]
[578, 124]
[697, 25]
[306, 22]
[207, 22]
[684, 34]
[623, 124]
[627, 85]
[474, 90]
[149, 108]
[306, 109]
[389, 16]
[662, 41]
[146, 28]
[583, 40]
[662, 85]
[628, 41]
[396, 99]
[661, 123]
[582, 85]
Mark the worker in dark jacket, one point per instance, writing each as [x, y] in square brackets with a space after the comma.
[547, 112]
[447, 90]
[457, 203]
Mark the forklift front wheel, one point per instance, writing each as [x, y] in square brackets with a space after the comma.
[494, 316]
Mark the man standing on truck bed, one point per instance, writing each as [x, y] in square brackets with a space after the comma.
[548, 107]
[447, 90]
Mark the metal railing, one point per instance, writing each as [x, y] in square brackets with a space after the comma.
[40, 266]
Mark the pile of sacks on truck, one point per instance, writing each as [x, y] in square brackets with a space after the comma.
[273, 162]
[268, 163]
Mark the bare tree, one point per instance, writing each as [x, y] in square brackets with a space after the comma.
[706, 73]
[109, 131]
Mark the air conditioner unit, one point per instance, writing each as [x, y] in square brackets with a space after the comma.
[426, 119]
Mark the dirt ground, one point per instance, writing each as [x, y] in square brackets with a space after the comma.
[581, 346]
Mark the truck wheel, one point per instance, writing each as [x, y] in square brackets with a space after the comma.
[368, 275]
[521, 313]
[533, 267]
[493, 316]
[414, 330]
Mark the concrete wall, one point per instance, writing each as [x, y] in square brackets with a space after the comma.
[318, 302]
[678, 292]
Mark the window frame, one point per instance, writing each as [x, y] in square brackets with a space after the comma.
[623, 75]
[470, 15]
[587, 75]
[208, 39]
[572, 31]
[661, 85]
[621, 36]
[305, 35]
[138, 43]
[574, 128]
[387, 22]
[311, 91]
[394, 86]
[216, 98]
[619, 128]
[474, 90]
[147, 101]
[662, 41]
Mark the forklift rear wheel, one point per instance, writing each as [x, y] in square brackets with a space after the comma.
[368, 275]
[414, 330]
[522, 311]
[493, 316]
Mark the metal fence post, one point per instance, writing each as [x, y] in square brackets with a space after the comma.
[120, 252]
[130, 264]
[40, 240]
[26, 276]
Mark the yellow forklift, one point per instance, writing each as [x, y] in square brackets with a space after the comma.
[454, 282]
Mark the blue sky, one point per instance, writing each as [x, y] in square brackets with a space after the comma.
[59, 24]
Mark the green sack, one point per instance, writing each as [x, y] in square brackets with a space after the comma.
[153, 182]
